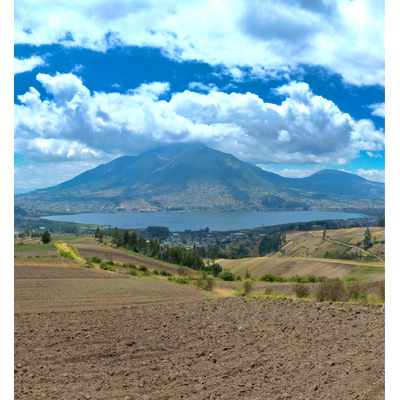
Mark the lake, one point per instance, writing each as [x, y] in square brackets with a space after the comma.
[216, 221]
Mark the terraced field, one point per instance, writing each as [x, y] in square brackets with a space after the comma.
[289, 266]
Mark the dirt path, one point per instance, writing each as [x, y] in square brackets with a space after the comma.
[355, 247]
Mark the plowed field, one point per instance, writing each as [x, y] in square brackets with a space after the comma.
[91, 336]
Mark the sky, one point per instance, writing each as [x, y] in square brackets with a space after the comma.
[294, 86]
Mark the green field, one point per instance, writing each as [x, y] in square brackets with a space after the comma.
[33, 247]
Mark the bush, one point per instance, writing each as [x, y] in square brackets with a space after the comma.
[96, 259]
[164, 272]
[357, 292]
[226, 275]
[143, 268]
[132, 271]
[247, 287]
[298, 279]
[301, 290]
[273, 278]
[206, 282]
[247, 274]
[105, 266]
[381, 290]
[332, 290]
[65, 254]
[312, 279]
[182, 280]
[238, 278]
[156, 271]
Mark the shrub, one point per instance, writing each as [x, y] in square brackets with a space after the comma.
[96, 259]
[238, 278]
[381, 290]
[105, 266]
[247, 287]
[301, 290]
[247, 274]
[312, 279]
[182, 280]
[65, 254]
[350, 279]
[164, 272]
[205, 282]
[273, 278]
[268, 290]
[156, 271]
[132, 271]
[226, 275]
[357, 292]
[331, 290]
[143, 268]
[208, 283]
[298, 279]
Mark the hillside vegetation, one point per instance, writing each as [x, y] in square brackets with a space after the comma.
[308, 253]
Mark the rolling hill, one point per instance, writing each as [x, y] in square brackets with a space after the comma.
[196, 177]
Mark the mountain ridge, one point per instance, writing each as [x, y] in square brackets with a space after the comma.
[196, 177]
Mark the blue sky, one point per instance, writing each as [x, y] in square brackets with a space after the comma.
[292, 86]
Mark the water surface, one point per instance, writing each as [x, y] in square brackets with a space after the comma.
[216, 221]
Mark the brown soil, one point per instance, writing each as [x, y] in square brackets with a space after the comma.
[162, 341]
[36, 253]
[122, 257]
[51, 261]
[39, 288]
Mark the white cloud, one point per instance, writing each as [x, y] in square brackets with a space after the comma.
[79, 125]
[259, 37]
[374, 175]
[292, 173]
[27, 64]
[378, 109]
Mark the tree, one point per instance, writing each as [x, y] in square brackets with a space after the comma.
[46, 237]
[96, 235]
[324, 234]
[116, 237]
[367, 238]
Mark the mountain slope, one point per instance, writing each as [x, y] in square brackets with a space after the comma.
[193, 177]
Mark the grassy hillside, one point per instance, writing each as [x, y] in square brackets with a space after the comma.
[305, 253]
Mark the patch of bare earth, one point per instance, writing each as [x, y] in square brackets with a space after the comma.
[168, 341]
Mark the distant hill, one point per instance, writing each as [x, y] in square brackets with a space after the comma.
[196, 177]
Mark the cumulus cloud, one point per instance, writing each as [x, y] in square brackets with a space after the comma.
[259, 37]
[27, 64]
[76, 124]
[292, 172]
[378, 109]
[374, 175]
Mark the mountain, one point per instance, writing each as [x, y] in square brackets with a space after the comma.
[196, 177]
